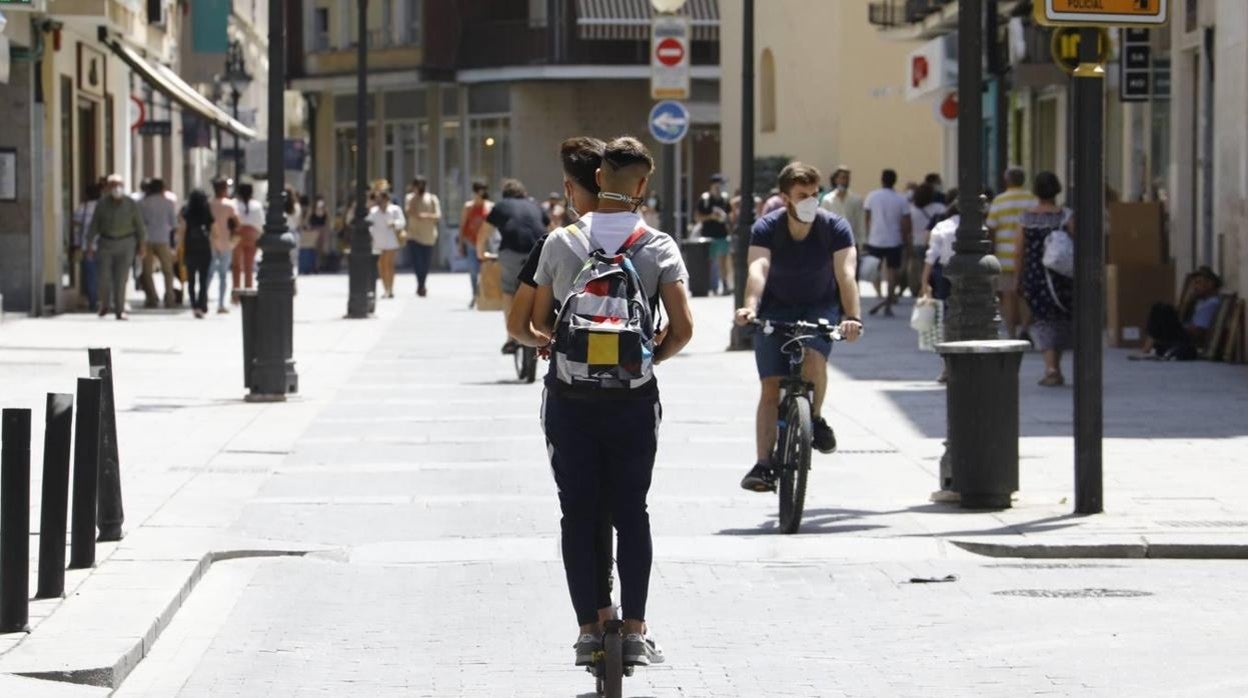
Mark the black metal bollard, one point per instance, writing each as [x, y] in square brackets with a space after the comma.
[86, 474]
[53, 513]
[247, 299]
[110, 512]
[15, 521]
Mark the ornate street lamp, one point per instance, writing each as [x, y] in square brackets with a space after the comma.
[272, 373]
[238, 78]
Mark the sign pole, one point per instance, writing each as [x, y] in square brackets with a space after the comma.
[667, 219]
[1089, 93]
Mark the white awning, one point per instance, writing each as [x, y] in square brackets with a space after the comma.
[630, 19]
[168, 82]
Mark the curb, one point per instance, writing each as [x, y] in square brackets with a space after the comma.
[113, 676]
[1109, 551]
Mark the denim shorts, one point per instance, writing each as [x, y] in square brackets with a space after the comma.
[768, 355]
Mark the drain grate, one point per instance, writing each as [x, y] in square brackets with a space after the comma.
[1205, 524]
[1052, 566]
[1074, 593]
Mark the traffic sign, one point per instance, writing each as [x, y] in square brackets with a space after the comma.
[670, 52]
[1135, 66]
[1103, 13]
[669, 57]
[1065, 47]
[669, 122]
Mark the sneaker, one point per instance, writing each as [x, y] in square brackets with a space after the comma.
[759, 479]
[586, 647]
[642, 650]
[823, 438]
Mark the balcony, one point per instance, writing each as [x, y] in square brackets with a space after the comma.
[889, 14]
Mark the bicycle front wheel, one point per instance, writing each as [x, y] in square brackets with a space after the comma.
[794, 462]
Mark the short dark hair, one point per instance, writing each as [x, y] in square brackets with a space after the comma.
[156, 185]
[420, 182]
[1208, 274]
[581, 157]
[514, 189]
[627, 152]
[1015, 177]
[220, 186]
[924, 195]
[797, 173]
[1046, 186]
[479, 186]
[839, 171]
[888, 178]
[932, 178]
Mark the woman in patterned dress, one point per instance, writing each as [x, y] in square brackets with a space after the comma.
[1049, 295]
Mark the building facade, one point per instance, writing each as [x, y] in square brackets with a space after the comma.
[487, 89]
[825, 94]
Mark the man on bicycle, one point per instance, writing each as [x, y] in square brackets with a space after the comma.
[802, 266]
[607, 436]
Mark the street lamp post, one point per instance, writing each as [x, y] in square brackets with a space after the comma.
[739, 339]
[237, 76]
[361, 281]
[273, 370]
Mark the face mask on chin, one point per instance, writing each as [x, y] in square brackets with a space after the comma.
[805, 210]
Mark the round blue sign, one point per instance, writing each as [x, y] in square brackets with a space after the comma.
[669, 121]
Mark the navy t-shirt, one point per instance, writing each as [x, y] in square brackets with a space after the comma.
[801, 271]
[520, 222]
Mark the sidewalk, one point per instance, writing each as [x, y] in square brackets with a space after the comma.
[192, 453]
[409, 449]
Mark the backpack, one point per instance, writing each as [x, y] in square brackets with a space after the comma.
[604, 335]
[198, 235]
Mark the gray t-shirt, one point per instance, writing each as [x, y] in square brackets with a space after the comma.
[658, 262]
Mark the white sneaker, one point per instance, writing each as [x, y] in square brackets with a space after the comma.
[642, 650]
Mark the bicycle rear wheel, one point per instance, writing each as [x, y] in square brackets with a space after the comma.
[794, 462]
[526, 363]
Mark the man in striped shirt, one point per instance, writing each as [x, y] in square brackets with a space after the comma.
[1003, 224]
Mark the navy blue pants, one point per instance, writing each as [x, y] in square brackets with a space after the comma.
[602, 455]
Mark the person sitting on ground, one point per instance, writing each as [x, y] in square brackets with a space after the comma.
[1181, 336]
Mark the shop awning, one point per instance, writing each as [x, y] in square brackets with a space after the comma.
[168, 82]
[630, 19]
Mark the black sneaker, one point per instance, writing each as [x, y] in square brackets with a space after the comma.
[824, 440]
[759, 479]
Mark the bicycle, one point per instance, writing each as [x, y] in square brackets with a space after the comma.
[526, 363]
[791, 458]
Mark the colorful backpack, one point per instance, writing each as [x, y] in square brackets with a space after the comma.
[604, 335]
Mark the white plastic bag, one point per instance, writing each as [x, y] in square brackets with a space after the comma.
[930, 337]
[869, 269]
[923, 317]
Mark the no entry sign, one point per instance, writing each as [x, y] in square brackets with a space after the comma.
[669, 57]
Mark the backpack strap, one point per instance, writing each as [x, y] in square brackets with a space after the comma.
[580, 233]
[635, 241]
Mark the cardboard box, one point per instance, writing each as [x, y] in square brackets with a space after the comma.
[1130, 292]
[1136, 234]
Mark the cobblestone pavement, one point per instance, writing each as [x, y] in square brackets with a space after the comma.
[424, 488]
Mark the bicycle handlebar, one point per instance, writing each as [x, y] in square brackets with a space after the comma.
[822, 328]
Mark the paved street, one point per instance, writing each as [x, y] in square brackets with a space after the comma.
[411, 475]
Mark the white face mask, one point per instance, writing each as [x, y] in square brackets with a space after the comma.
[806, 209]
[116, 192]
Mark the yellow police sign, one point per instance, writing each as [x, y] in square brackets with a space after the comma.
[1104, 13]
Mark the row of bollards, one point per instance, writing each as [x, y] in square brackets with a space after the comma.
[96, 489]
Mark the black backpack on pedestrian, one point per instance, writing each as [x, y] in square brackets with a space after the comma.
[198, 235]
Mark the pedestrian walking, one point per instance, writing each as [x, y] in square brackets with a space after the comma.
[844, 203]
[520, 223]
[194, 237]
[317, 230]
[711, 212]
[1050, 295]
[888, 237]
[386, 223]
[292, 214]
[80, 222]
[160, 217]
[471, 217]
[251, 223]
[555, 210]
[600, 386]
[225, 228]
[423, 210]
[935, 285]
[926, 210]
[116, 236]
[1003, 223]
